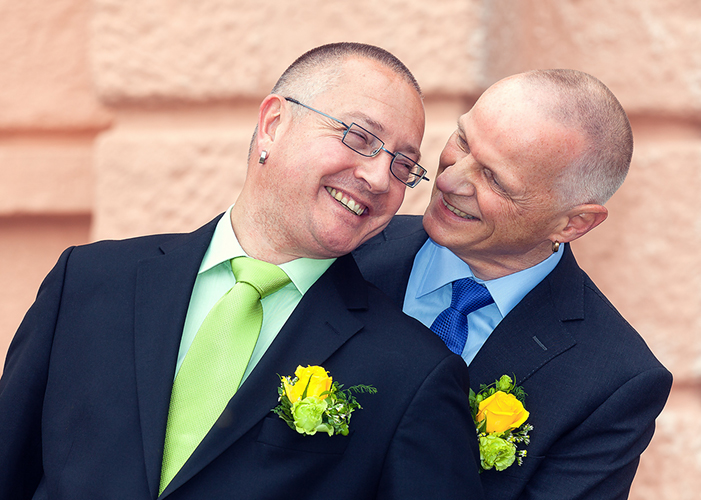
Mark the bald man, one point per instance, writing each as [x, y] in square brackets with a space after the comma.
[528, 171]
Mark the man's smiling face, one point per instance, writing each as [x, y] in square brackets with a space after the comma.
[494, 202]
[324, 199]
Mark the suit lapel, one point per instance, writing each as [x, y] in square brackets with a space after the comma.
[163, 289]
[535, 331]
[318, 327]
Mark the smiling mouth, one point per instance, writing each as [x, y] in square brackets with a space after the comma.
[346, 201]
[457, 212]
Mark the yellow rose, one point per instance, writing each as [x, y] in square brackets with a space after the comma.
[502, 411]
[312, 378]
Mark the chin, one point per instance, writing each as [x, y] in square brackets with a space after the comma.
[336, 248]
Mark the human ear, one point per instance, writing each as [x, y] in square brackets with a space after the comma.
[579, 221]
[269, 118]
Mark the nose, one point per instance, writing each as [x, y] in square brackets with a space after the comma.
[375, 172]
[457, 178]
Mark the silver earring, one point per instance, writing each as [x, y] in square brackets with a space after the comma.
[556, 246]
[263, 156]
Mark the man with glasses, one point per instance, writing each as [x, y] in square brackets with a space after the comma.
[117, 384]
[527, 171]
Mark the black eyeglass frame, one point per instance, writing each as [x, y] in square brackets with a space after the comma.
[421, 174]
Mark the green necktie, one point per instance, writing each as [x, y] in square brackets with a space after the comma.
[216, 361]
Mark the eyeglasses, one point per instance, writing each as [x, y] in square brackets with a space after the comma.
[367, 144]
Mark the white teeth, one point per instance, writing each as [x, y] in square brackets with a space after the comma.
[347, 202]
[456, 211]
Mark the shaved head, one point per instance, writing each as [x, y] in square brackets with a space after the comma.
[579, 101]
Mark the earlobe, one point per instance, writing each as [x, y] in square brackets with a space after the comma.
[581, 220]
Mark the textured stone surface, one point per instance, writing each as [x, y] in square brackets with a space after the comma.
[648, 52]
[159, 182]
[220, 49]
[671, 467]
[45, 77]
[46, 175]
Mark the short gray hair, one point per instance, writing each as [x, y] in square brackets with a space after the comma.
[585, 103]
[320, 68]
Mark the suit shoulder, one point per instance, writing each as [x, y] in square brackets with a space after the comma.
[107, 253]
[142, 247]
[611, 335]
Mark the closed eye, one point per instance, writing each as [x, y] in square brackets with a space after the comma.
[462, 142]
[492, 179]
[356, 135]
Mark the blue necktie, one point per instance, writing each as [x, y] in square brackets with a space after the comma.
[451, 324]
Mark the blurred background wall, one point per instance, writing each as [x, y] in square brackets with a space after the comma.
[124, 118]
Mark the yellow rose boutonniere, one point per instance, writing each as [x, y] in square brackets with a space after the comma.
[501, 411]
[313, 379]
[312, 402]
[500, 417]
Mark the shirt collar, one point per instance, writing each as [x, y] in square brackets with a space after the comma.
[443, 267]
[303, 272]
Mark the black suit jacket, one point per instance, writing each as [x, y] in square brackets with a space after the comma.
[85, 392]
[594, 388]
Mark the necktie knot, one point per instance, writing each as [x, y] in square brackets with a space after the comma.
[468, 296]
[451, 324]
[266, 278]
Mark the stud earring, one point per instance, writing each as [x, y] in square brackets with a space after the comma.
[263, 156]
[556, 246]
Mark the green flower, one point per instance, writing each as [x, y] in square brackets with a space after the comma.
[504, 383]
[496, 452]
[308, 416]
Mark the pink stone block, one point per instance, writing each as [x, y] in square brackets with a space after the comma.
[46, 174]
[45, 80]
[647, 52]
[162, 181]
[671, 467]
[159, 50]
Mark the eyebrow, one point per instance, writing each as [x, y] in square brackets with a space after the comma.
[459, 127]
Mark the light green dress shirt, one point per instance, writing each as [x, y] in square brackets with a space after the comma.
[215, 278]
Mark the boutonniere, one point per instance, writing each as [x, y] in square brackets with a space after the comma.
[312, 402]
[500, 417]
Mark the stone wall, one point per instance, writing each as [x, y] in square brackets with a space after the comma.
[124, 118]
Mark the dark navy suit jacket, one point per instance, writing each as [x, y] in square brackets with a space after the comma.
[85, 391]
[594, 388]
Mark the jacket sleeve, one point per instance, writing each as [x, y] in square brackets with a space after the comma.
[598, 459]
[22, 389]
[433, 453]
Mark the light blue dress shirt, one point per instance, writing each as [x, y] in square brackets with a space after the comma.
[429, 291]
[215, 278]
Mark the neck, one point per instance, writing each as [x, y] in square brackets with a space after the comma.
[492, 267]
[253, 238]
